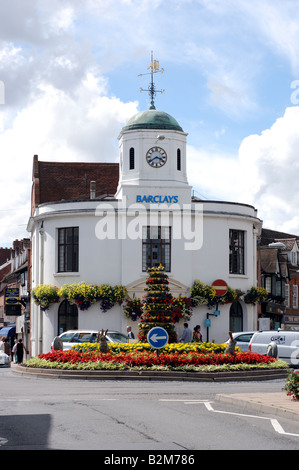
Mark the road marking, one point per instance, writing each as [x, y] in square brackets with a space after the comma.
[3, 441]
[208, 404]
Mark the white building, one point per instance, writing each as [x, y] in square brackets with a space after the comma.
[86, 226]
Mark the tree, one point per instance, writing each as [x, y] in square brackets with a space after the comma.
[157, 305]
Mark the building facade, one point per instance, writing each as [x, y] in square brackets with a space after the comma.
[15, 278]
[279, 261]
[108, 223]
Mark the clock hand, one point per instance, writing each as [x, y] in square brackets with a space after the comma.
[156, 156]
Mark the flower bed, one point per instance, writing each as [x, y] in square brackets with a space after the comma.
[178, 348]
[147, 359]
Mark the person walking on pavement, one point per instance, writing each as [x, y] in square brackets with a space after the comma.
[20, 351]
[14, 351]
[187, 334]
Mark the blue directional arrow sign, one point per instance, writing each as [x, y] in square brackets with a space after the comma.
[157, 337]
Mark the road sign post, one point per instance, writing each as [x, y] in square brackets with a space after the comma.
[221, 288]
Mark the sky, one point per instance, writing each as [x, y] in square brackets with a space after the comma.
[69, 82]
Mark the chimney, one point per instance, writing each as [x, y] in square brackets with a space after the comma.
[92, 190]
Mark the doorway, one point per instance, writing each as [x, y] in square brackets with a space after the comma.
[236, 317]
[67, 317]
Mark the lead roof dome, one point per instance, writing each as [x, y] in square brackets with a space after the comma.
[152, 119]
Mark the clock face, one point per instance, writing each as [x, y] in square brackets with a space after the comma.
[156, 157]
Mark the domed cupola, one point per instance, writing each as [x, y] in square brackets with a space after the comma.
[152, 119]
[152, 150]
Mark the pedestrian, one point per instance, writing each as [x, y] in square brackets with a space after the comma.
[197, 336]
[14, 351]
[7, 348]
[20, 351]
[187, 334]
[2, 344]
[130, 333]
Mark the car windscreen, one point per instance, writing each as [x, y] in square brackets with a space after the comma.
[84, 338]
[66, 337]
[118, 337]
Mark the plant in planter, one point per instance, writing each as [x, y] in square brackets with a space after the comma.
[44, 295]
[182, 308]
[157, 305]
[105, 296]
[255, 295]
[82, 294]
[292, 385]
[202, 294]
[108, 296]
[231, 296]
[133, 308]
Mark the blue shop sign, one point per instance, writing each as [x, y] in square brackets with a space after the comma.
[157, 199]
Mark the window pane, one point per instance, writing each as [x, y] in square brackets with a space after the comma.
[76, 235]
[69, 235]
[156, 250]
[68, 249]
[75, 266]
[236, 252]
[165, 233]
[155, 233]
[61, 235]
[61, 259]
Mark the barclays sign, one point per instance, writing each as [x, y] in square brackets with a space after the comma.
[157, 199]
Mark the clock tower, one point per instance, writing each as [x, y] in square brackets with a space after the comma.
[152, 152]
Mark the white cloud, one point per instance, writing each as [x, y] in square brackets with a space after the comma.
[265, 173]
[57, 127]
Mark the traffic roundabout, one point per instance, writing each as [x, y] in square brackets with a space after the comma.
[151, 375]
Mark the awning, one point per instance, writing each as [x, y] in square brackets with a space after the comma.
[8, 331]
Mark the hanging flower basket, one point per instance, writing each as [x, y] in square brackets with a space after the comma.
[133, 309]
[44, 295]
[202, 294]
[84, 295]
[108, 296]
[81, 294]
[255, 295]
[231, 296]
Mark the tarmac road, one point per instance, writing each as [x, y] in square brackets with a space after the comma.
[60, 414]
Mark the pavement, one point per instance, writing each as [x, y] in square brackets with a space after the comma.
[278, 404]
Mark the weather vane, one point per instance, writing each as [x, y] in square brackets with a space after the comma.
[152, 91]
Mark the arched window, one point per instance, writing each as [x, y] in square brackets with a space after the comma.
[236, 317]
[67, 317]
[178, 159]
[132, 158]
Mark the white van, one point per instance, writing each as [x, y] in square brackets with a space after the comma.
[283, 344]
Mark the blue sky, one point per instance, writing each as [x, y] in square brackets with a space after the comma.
[70, 71]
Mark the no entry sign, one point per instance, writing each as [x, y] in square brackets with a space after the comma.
[221, 287]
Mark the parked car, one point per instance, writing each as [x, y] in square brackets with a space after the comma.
[71, 337]
[283, 344]
[242, 338]
[4, 359]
